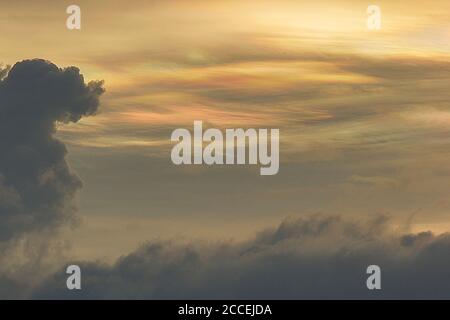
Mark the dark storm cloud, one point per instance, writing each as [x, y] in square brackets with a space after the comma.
[36, 185]
[314, 257]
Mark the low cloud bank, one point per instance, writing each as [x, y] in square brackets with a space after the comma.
[312, 257]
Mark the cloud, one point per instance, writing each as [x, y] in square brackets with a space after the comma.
[312, 257]
[36, 185]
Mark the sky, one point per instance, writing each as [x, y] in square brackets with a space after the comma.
[363, 116]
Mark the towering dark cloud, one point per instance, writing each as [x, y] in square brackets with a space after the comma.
[312, 257]
[36, 185]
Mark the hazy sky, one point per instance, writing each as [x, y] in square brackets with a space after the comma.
[364, 116]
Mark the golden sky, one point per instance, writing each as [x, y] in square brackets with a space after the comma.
[364, 115]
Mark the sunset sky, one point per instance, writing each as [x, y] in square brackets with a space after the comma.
[364, 115]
